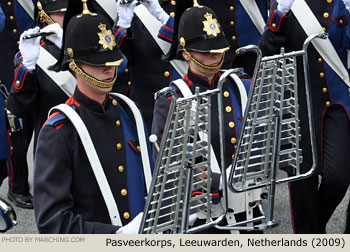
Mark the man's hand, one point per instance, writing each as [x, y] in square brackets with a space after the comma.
[156, 10]
[57, 37]
[347, 4]
[284, 5]
[30, 48]
[133, 227]
[125, 13]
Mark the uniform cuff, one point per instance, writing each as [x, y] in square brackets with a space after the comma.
[166, 32]
[275, 21]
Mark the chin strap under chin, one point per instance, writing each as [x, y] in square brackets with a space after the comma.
[73, 66]
[206, 67]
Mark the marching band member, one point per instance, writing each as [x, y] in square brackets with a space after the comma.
[68, 197]
[140, 46]
[4, 148]
[17, 20]
[313, 203]
[33, 91]
[200, 40]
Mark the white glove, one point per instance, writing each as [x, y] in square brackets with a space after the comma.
[154, 8]
[125, 14]
[30, 48]
[192, 219]
[347, 4]
[57, 37]
[133, 227]
[284, 5]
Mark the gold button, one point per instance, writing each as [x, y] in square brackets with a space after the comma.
[12, 18]
[324, 28]
[166, 74]
[173, 2]
[17, 83]
[138, 148]
[129, 83]
[232, 23]
[233, 156]
[232, 8]
[9, 3]
[114, 102]
[228, 109]
[172, 14]
[320, 60]
[329, 1]
[121, 168]
[126, 70]
[126, 215]
[119, 146]
[124, 192]
[233, 140]
[341, 21]
[117, 123]
[14, 31]
[273, 25]
[11, 148]
[231, 124]
[10, 134]
[324, 90]
[328, 103]
[226, 94]
[321, 74]
[17, 42]
[233, 38]
[326, 15]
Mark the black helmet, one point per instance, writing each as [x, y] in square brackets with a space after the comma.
[45, 7]
[196, 29]
[87, 39]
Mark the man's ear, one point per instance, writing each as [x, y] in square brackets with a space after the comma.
[185, 56]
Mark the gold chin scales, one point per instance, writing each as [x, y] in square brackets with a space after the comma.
[206, 67]
[73, 66]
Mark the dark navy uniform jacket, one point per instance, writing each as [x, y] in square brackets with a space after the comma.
[232, 113]
[16, 22]
[67, 198]
[148, 73]
[327, 88]
[34, 92]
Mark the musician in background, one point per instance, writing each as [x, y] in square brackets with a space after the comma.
[4, 148]
[312, 203]
[67, 196]
[147, 72]
[200, 40]
[17, 20]
[33, 91]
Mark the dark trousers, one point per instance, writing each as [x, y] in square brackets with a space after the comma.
[17, 162]
[312, 207]
[3, 170]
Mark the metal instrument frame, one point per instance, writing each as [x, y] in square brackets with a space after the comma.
[179, 221]
[238, 179]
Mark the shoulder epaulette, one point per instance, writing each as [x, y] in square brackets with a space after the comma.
[58, 119]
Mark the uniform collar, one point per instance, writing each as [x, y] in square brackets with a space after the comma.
[91, 104]
[201, 81]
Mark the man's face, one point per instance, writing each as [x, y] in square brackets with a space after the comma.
[209, 59]
[58, 18]
[104, 73]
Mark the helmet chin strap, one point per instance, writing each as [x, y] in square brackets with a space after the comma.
[206, 67]
[73, 66]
